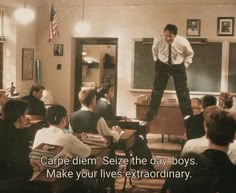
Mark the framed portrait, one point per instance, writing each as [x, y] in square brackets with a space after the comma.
[225, 26]
[193, 27]
[27, 63]
[58, 50]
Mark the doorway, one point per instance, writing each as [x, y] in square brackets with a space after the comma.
[1, 65]
[96, 63]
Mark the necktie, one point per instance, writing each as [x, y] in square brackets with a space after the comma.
[169, 60]
[169, 54]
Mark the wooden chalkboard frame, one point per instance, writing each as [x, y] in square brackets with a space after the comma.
[232, 68]
[215, 49]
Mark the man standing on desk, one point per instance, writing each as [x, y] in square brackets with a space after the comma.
[172, 55]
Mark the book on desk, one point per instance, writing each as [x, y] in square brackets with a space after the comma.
[47, 150]
[94, 140]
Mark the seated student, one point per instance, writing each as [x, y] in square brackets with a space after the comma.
[220, 131]
[194, 124]
[86, 120]
[56, 116]
[57, 119]
[35, 105]
[201, 180]
[104, 108]
[226, 100]
[199, 145]
[15, 166]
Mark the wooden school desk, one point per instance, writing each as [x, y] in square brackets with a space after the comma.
[125, 143]
[59, 185]
[168, 120]
[132, 124]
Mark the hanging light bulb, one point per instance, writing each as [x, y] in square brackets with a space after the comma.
[24, 15]
[82, 27]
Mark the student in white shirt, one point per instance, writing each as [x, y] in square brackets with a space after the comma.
[56, 116]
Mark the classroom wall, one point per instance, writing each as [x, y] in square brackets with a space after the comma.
[126, 23]
[110, 19]
[18, 36]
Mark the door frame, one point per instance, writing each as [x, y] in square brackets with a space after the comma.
[1, 65]
[78, 64]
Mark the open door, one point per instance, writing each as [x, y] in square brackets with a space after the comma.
[96, 63]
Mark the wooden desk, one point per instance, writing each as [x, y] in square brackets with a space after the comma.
[33, 118]
[133, 125]
[59, 185]
[125, 143]
[16, 97]
[168, 120]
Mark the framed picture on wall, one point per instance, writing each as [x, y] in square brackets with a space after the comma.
[193, 27]
[27, 63]
[225, 26]
[58, 49]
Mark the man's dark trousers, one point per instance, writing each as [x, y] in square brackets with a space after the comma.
[162, 73]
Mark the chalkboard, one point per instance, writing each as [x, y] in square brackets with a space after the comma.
[204, 74]
[232, 68]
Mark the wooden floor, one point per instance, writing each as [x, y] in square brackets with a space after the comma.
[170, 147]
[140, 186]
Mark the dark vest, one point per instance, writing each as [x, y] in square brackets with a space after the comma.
[84, 121]
[104, 110]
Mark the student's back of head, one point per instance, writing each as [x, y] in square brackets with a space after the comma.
[220, 125]
[13, 110]
[226, 100]
[35, 88]
[104, 90]
[55, 114]
[208, 100]
[86, 96]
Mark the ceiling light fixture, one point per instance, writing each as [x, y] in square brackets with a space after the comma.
[83, 27]
[24, 15]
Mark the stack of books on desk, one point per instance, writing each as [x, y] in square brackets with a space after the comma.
[47, 150]
[94, 140]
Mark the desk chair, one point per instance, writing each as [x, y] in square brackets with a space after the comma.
[125, 144]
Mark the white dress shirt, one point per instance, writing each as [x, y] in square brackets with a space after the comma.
[199, 145]
[181, 50]
[107, 101]
[102, 127]
[72, 145]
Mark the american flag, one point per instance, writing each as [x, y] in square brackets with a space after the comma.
[53, 24]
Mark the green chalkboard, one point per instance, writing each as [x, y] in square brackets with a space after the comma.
[204, 74]
[232, 68]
